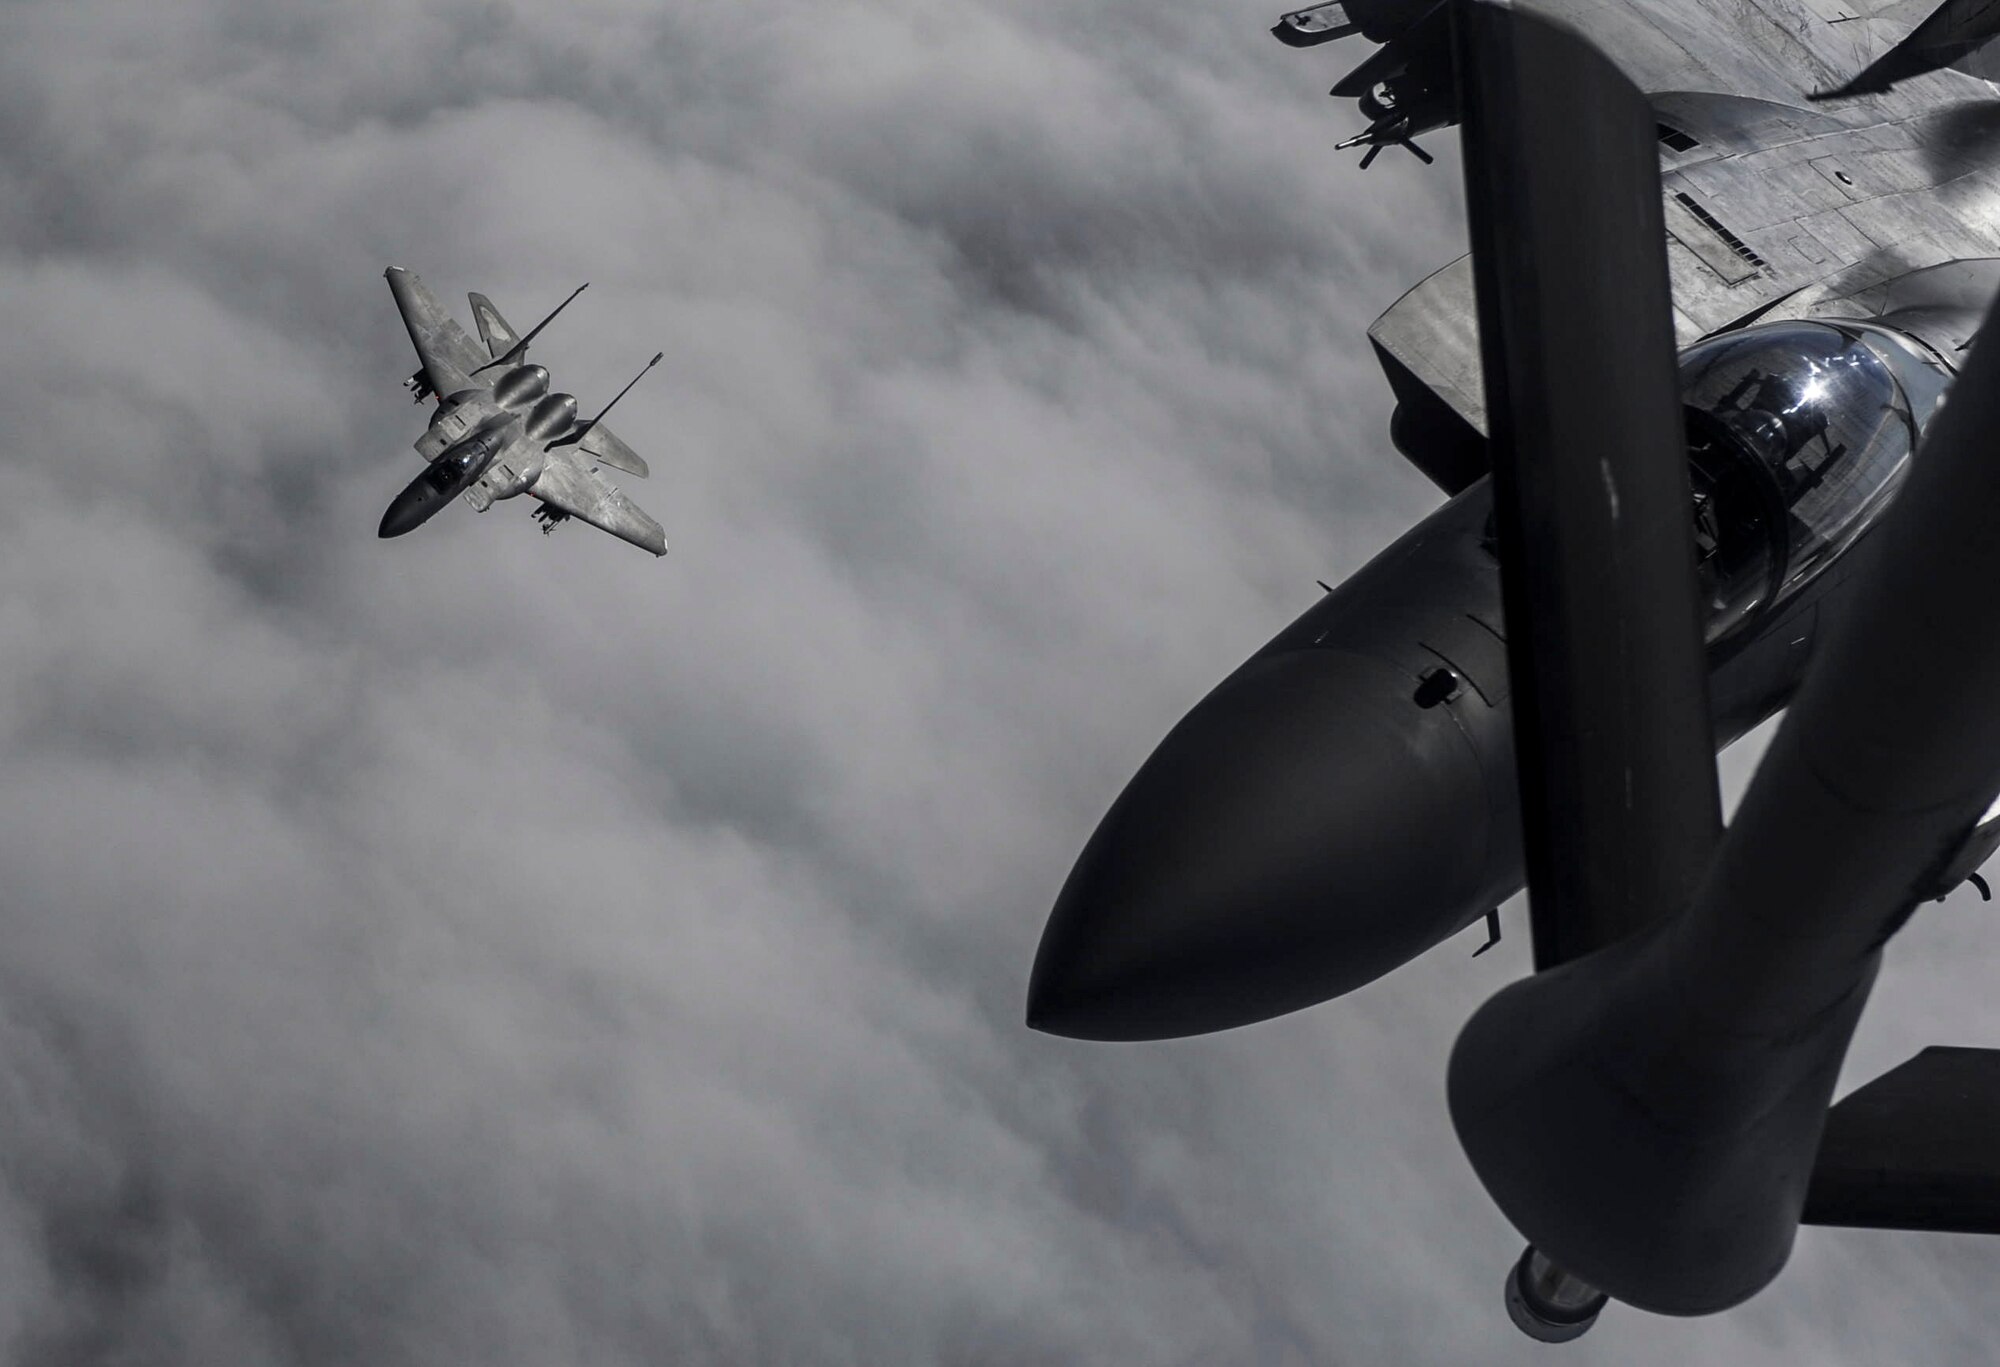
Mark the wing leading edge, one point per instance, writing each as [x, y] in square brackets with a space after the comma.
[448, 354]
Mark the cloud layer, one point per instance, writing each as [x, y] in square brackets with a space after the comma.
[483, 948]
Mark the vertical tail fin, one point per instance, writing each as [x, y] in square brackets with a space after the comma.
[493, 329]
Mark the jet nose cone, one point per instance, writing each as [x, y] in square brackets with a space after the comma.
[396, 521]
[1306, 828]
[409, 510]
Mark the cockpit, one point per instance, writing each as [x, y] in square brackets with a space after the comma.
[459, 466]
[1798, 435]
[447, 474]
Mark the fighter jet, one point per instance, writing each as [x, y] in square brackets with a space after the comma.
[1347, 798]
[1668, 548]
[499, 431]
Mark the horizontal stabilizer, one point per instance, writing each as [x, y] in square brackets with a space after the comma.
[493, 329]
[1915, 1148]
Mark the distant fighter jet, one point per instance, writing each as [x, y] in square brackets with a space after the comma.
[498, 431]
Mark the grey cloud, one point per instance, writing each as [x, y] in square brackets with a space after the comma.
[476, 947]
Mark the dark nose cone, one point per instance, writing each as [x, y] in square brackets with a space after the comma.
[411, 509]
[1304, 830]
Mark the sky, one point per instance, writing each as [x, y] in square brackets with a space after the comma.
[483, 947]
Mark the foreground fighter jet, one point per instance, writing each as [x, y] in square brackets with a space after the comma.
[1681, 545]
[498, 431]
[1347, 798]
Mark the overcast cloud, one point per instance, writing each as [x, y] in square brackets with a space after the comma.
[477, 948]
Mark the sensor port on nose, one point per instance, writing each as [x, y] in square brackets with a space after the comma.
[1438, 684]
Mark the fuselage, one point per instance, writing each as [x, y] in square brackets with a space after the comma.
[1348, 798]
[1343, 801]
[448, 476]
[485, 444]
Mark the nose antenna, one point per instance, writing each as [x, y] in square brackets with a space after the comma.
[519, 349]
[582, 429]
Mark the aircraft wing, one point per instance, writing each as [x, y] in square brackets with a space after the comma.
[1775, 205]
[571, 485]
[1784, 51]
[446, 350]
[603, 446]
